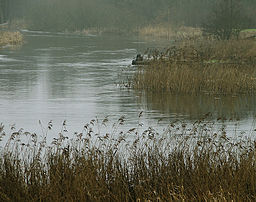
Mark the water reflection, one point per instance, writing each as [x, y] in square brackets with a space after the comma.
[56, 76]
[193, 107]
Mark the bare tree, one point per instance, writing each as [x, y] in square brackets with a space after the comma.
[4, 11]
[226, 20]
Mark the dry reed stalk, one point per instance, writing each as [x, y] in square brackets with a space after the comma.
[194, 67]
[188, 162]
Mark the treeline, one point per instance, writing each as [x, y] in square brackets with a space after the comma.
[59, 15]
[4, 11]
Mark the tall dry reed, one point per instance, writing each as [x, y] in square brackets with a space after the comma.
[194, 67]
[198, 161]
[169, 32]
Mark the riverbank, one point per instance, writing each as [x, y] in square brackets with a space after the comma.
[163, 32]
[10, 38]
[199, 161]
[179, 33]
[200, 66]
[169, 32]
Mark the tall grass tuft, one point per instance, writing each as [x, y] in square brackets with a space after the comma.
[194, 67]
[10, 38]
[169, 32]
[198, 161]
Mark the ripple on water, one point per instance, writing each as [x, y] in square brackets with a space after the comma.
[117, 62]
[5, 58]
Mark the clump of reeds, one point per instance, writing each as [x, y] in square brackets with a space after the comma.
[212, 67]
[10, 38]
[198, 161]
[169, 32]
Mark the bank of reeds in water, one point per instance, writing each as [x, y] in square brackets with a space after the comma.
[10, 38]
[196, 161]
[170, 32]
[208, 66]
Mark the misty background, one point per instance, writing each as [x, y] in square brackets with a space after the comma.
[122, 15]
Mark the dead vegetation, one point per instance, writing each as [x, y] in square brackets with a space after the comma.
[201, 66]
[170, 32]
[197, 161]
[10, 38]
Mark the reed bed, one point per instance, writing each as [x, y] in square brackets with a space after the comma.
[194, 67]
[170, 32]
[197, 161]
[10, 38]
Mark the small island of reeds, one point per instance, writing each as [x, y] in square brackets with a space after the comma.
[10, 38]
[201, 66]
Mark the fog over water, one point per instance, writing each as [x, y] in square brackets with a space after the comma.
[122, 15]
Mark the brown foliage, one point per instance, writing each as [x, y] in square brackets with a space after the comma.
[199, 161]
[208, 66]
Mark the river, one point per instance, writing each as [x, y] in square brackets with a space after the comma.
[57, 76]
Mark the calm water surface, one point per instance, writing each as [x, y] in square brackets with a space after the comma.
[75, 78]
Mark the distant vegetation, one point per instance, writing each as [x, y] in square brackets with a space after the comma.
[4, 11]
[119, 15]
[227, 19]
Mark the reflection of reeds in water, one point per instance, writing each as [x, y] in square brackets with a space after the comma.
[194, 107]
[10, 38]
[187, 162]
[210, 67]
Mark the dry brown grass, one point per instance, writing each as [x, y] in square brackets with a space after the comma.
[10, 38]
[193, 67]
[170, 32]
[198, 161]
[197, 78]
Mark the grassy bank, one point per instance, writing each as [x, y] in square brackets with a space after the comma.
[201, 66]
[186, 162]
[10, 38]
[248, 33]
[171, 32]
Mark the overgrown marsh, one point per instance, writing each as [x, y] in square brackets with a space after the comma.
[188, 161]
[201, 66]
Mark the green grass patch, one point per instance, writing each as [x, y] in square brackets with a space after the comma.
[249, 30]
